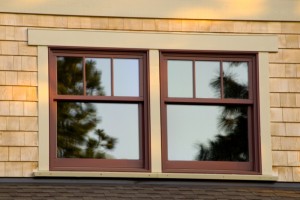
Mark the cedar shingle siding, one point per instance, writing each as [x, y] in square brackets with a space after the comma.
[18, 99]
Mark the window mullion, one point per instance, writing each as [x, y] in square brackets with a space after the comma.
[194, 79]
[112, 76]
[221, 79]
[209, 101]
[84, 76]
[97, 98]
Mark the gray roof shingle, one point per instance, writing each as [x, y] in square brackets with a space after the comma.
[113, 189]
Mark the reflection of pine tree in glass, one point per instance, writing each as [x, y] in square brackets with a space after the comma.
[75, 120]
[93, 82]
[233, 121]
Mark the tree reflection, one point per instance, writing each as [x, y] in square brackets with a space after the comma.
[232, 144]
[93, 77]
[77, 136]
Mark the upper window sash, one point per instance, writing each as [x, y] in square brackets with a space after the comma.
[185, 72]
[123, 74]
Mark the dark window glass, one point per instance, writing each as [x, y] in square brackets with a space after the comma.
[70, 75]
[98, 76]
[207, 73]
[235, 80]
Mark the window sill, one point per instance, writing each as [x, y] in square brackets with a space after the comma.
[155, 175]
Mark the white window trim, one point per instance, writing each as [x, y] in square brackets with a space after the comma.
[154, 42]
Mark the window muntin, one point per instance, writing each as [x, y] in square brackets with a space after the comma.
[98, 109]
[222, 110]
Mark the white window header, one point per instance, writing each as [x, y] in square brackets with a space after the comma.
[153, 40]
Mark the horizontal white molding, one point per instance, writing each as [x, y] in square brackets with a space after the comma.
[152, 40]
[155, 175]
[267, 10]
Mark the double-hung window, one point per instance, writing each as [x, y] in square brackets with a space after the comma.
[98, 110]
[209, 113]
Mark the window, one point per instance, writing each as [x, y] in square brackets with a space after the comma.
[209, 113]
[153, 161]
[98, 110]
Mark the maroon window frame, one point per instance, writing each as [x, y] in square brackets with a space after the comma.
[90, 164]
[253, 166]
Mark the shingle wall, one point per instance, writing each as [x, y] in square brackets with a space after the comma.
[18, 82]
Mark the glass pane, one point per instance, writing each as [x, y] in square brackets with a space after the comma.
[207, 133]
[97, 130]
[98, 76]
[180, 78]
[69, 75]
[208, 79]
[126, 77]
[235, 80]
